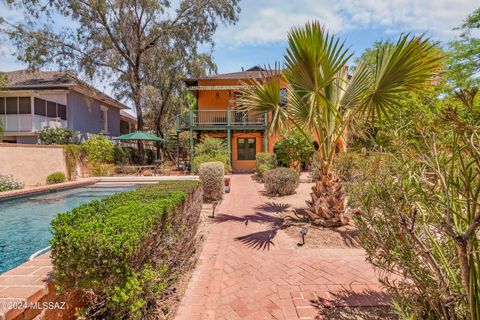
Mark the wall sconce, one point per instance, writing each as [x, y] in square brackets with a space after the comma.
[217, 96]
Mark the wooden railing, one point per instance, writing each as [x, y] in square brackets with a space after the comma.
[221, 118]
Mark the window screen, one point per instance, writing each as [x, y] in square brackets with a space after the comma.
[246, 148]
[2, 105]
[24, 106]
[51, 109]
[62, 111]
[12, 104]
[40, 107]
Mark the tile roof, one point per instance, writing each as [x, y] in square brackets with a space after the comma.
[24, 79]
[252, 73]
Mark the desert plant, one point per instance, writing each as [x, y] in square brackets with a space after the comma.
[420, 219]
[281, 181]
[101, 169]
[125, 251]
[321, 99]
[211, 150]
[7, 183]
[56, 177]
[264, 161]
[212, 178]
[57, 136]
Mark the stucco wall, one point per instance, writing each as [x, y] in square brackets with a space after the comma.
[31, 164]
[84, 115]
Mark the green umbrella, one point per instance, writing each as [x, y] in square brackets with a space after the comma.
[139, 135]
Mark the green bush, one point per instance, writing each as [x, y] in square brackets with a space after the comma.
[265, 161]
[7, 183]
[57, 136]
[281, 181]
[126, 250]
[294, 150]
[211, 150]
[98, 149]
[101, 169]
[212, 178]
[56, 177]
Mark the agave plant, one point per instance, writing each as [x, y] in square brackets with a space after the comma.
[322, 99]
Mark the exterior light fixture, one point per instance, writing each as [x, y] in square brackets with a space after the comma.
[303, 233]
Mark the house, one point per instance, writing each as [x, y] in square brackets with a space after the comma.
[218, 114]
[32, 101]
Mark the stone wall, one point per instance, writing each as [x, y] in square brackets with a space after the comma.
[31, 164]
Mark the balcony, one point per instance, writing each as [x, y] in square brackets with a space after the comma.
[29, 122]
[221, 120]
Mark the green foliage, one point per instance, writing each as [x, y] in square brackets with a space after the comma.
[56, 177]
[212, 177]
[101, 169]
[211, 150]
[61, 136]
[265, 161]
[98, 149]
[420, 214]
[125, 249]
[281, 181]
[7, 183]
[294, 150]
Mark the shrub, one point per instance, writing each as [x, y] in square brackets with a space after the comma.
[211, 150]
[98, 149]
[73, 153]
[294, 150]
[57, 136]
[7, 183]
[56, 177]
[101, 169]
[265, 161]
[124, 251]
[281, 181]
[212, 178]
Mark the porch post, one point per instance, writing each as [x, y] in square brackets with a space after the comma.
[229, 138]
[178, 151]
[191, 139]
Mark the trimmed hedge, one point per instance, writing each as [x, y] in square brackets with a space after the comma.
[56, 177]
[212, 178]
[126, 249]
[281, 181]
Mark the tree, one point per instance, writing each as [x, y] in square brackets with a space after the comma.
[464, 61]
[321, 99]
[114, 39]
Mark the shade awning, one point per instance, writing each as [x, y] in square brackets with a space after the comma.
[138, 135]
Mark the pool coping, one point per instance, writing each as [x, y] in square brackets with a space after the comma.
[7, 195]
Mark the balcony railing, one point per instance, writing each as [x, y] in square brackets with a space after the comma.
[29, 122]
[221, 118]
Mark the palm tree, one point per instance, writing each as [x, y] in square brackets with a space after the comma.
[323, 100]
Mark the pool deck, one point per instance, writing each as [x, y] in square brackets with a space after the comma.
[47, 188]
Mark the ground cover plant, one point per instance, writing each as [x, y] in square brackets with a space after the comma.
[124, 251]
[56, 177]
[8, 183]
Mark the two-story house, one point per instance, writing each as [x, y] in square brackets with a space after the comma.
[31, 102]
[218, 114]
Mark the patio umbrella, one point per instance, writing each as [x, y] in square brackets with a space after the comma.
[139, 135]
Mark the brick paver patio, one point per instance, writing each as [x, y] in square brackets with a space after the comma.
[248, 269]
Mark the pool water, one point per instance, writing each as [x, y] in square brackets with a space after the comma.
[25, 221]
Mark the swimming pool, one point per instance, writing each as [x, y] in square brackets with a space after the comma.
[25, 221]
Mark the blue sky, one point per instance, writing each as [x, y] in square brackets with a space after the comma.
[259, 38]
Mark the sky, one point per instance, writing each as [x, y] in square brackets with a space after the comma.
[259, 37]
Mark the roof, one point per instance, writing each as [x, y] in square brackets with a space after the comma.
[127, 115]
[24, 79]
[252, 73]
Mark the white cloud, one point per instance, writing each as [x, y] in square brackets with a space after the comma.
[267, 21]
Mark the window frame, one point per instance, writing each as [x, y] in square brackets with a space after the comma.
[104, 119]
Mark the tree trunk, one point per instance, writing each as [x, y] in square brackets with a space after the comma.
[328, 207]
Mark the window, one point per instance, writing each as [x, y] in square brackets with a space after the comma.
[103, 119]
[246, 148]
[12, 105]
[40, 107]
[51, 109]
[2, 105]
[24, 105]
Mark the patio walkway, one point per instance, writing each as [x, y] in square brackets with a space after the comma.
[249, 269]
